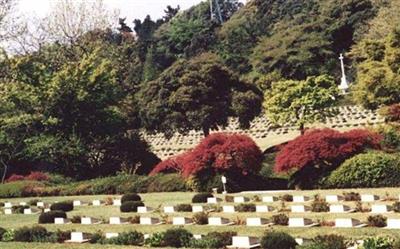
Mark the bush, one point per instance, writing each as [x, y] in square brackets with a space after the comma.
[37, 176]
[396, 207]
[214, 240]
[287, 198]
[201, 197]
[351, 196]
[15, 178]
[177, 237]
[31, 234]
[8, 235]
[18, 189]
[200, 218]
[280, 219]
[76, 219]
[131, 206]
[155, 240]
[369, 170]
[98, 238]
[130, 197]
[19, 209]
[48, 217]
[377, 221]
[127, 238]
[377, 243]
[183, 208]
[330, 241]
[273, 240]
[246, 207]
[319, 205]
[2, 231]
[65, 206]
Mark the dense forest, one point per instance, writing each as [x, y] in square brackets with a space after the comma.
[76, 101]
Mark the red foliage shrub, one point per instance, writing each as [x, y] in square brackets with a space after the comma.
[217, 153]
[170, 165]
[393, 113]
[324, 147]
[37, 176]
[14, 178]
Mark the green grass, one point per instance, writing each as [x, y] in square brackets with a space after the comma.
[157, 200]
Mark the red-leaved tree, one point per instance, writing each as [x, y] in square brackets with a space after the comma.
[218, 153]
[393, 113]
[324, 147]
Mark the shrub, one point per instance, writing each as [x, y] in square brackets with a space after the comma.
[33, 202]
[273, 240]
[131, 206]
[330, 241]
[392, 113]
[377, 243]
[155, 240]
[2, 231]
[8, 235]
[376, 221]
[19, 209]
[246, 207]
[201, 197]
[31, 234]
[48, 217]
[200, 218]
[280, 219]
[391, 136]
[396, 207]
[214, 240]
[76, 219]
[319, 205]
[166, 183]
[130, 197]
[15, 178]
[287, 198]
[37, 176]
[98, 237]
[19, 189]
[351, 196]
[177, 237]
[62, 236]
[369, 170]
[183, 208]
[319, 151]
[65, 206]
[127, 238]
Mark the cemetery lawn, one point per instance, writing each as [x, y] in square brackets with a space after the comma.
[16, 245]
[157, 200]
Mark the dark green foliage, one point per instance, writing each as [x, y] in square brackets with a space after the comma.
[330, 241]
[214, 240]
[97, 237]
[65, 206]
[200, 218]
[31, 234]
[369, 170]
[273, 240]
[280, 219]
[155, 240]
[319, 205]
[378, 243]
[376, 221]
[48, 217]
[2, 231]
[246, 207]
[130, 197]
[183, 208]
[131, 206]
[177, 237]
[201, 197]
[127, 238]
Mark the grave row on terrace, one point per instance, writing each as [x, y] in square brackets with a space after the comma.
[261, 130]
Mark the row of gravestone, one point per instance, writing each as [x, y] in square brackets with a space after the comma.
[293, 222]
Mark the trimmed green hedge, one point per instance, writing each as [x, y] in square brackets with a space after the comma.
[369, 170]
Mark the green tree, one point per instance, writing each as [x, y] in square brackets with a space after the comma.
[196, 94]
[301, 102]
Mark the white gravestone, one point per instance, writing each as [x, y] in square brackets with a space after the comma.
[197, 209]
[115, 220]
[40, 204]
[228, 209]
[197, 236]
[369, 198]
[348, 223]
[117, 202]
[169, 209]
[76, 203]
[8, 205]
[333, 198]
[22, 203]
[27, 211]
[213, 200]
[244, 242]
[7, 211]
[299, 209]
[300, 198]
[254, 222]
[301, 222]
[393, 223]
[77, 237]
[146, 236]
[379, 209]
[240, 199]
[218, 221]
[143, 210]
[86, 221]
[149, 221]
[111, 235]
[269, 199]
[264, 209]
[96, 203]
[60, 221]
[339, 209]
[181, 221]
[47, 210]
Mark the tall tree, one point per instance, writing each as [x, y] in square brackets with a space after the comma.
[196, 94]
[301, 102]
